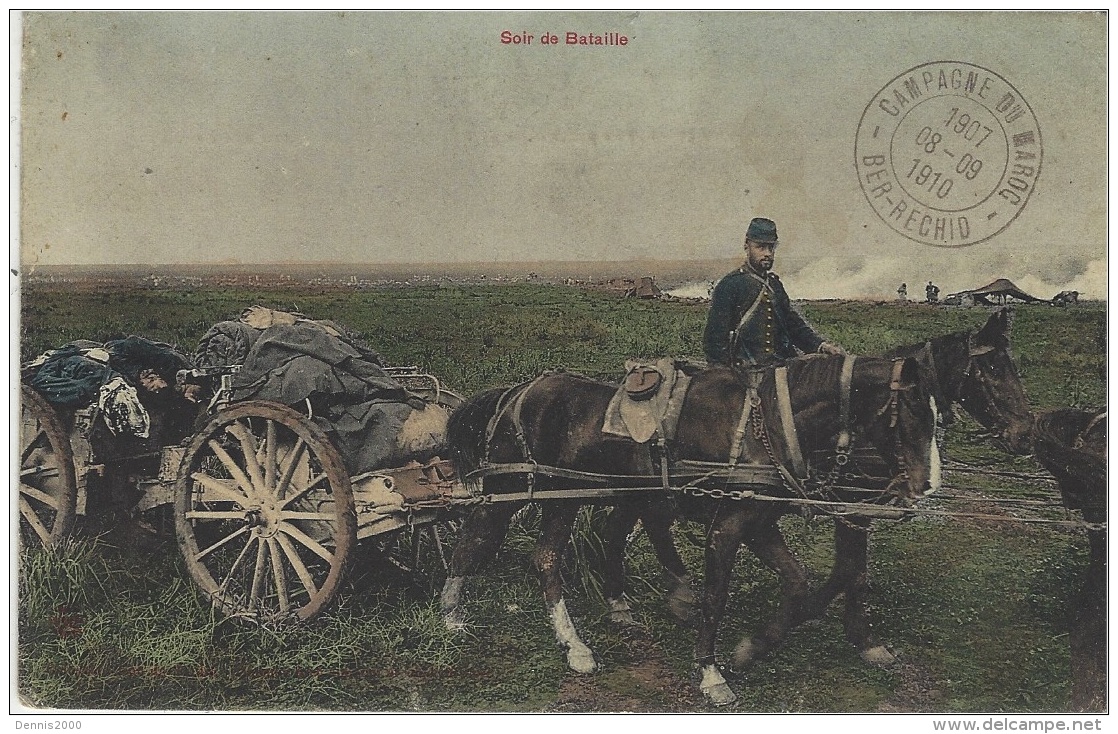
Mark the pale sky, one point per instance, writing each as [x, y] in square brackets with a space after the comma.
[370, 137]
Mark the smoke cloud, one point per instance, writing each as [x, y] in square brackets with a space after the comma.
[878, 278]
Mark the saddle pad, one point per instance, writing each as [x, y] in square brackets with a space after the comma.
[640, 419]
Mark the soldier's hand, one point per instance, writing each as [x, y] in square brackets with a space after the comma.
[830, 348]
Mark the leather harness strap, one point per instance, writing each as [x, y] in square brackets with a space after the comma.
[515, 406]
[846, 387]
[896, 385]
[788, 422]
[743, 421]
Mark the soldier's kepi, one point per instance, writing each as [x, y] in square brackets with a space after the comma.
[751, 319]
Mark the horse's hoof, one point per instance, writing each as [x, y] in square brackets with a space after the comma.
[743, 654]
[681, 607]
[581, 660]
[714, 688]
[879, 656]
[620, 613]
[623, 618]
[720, 694]
[454, 621]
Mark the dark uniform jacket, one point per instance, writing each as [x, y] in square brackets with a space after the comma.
[773, 331]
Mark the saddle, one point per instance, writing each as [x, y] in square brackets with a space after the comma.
[648, 401]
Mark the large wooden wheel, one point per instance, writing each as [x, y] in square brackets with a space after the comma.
[48, 496]
[264, 513]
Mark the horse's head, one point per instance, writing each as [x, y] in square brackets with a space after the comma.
[991, 389]
[894, 409]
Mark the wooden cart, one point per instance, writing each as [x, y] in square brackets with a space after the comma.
[265, 514]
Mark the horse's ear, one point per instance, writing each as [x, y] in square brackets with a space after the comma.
[910, 373]
[994, 333]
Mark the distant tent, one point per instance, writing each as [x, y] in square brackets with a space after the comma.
[995, 292]
[647, 288]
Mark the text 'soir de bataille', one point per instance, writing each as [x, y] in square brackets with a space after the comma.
[570, 38]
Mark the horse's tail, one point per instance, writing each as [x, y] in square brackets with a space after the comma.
[466, 432]
[1080, 470]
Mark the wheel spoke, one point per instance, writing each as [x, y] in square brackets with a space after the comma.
[215, 514]
[305, 490]
[307, 541]
[259, 498]
[231, 465]
[297, 563]
[258, 574]
[42, 472]
[220, 488]
[279, 575]
[32, 445]
[233, 568]
[202, 554]
[248, 449]
[270, 457]
[38, 494]
[292, 460]
[324, 516]
[34, 521]
[47, 490]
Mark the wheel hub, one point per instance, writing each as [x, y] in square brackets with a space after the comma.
[264, 521]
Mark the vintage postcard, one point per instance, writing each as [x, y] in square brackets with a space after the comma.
[543, 362]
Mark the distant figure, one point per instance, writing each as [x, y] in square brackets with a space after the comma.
[902, 292]
[751, 319]
[932, 291]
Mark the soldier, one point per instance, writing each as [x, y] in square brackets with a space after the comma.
[932, 292]
[902, 292]
[751, 319]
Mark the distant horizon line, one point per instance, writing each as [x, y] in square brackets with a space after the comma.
[233, 261]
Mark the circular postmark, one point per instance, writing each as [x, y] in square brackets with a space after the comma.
[947, 153]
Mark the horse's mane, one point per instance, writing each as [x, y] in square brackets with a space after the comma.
[814, 369]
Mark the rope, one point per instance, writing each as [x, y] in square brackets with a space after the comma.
[972, 469]
[843, 509]
[696, 476]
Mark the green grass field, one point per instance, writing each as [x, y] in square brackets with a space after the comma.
[977, 611]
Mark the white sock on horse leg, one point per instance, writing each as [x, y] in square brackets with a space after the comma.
[935, 476]
[714, 687]
[579, 657]
[450, 601]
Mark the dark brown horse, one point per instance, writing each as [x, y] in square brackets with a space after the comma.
[1071, 444]
[556, 421]
[973, 369]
